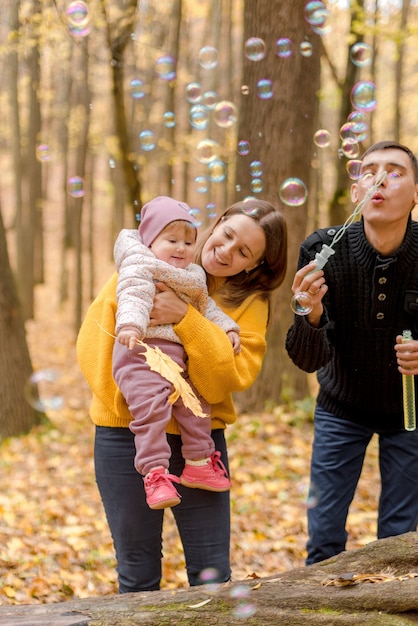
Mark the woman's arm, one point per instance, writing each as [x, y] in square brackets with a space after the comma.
[214, 369]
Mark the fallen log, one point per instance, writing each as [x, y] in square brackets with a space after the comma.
[376, 585]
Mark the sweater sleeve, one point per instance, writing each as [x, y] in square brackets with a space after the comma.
[213, 367]
[135, 289]
[309, 347]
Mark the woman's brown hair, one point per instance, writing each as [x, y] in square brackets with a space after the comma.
[271, 270]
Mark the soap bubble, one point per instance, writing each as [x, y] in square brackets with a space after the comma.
[217, 171]
[211, 210]
[363, 96]
[75, 186]
[165, 68]
[209, 99]
[197, 214]
[201, 184]
[265, 89]
[136, 87]
[360, 123]
[243, 147]
[350, 148]
[193, 92]
[199, 117]
[353, 168]
[225, 114]
[284, 47]
[208, 57]
[42, 153]
[306, 49]
[147, 140]
[313, 496]
[361, 54]
[347, 131]
[256, 168]
[358, 117]
[251, 211]
[210, 577]
[310, 495]
[207, 150]
[169, 119]
[255, 49]
[244, 608]
[322, 138]
[256, 185]
[301, 303]
[41, 391]
[293, 192]
[77, 14]
[316, 13]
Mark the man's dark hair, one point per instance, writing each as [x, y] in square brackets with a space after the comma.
[394, 145]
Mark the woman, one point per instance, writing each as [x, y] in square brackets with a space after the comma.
[244, 255]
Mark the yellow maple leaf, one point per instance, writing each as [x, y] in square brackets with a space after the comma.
[171, 371]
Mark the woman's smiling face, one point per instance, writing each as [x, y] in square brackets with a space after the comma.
[237, 243]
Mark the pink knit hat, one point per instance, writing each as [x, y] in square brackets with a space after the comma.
[158, 213]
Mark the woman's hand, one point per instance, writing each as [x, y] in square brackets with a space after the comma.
[168, 307]
[407, 355]
[313, 282]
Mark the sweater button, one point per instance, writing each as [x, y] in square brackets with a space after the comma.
[383, 280]
[381, 297]
[380, 316]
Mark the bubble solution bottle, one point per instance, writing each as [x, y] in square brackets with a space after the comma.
[408, 385]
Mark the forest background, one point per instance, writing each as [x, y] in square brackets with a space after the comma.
[105, 105]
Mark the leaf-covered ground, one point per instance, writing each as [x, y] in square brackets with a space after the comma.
[54, 541]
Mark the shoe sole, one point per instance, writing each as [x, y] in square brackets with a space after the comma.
[165, 504]
[185, 483]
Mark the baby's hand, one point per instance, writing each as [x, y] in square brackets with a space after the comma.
[235, 340]
[129, 336]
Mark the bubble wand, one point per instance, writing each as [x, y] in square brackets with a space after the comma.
[301, 302]
[408, 386]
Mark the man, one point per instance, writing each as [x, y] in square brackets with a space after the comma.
[362, 301]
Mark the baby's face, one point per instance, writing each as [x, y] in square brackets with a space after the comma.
[176, 245]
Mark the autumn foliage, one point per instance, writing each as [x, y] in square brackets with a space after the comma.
[54, 541]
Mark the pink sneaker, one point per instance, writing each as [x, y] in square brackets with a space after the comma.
[211, 477]
[159, 489]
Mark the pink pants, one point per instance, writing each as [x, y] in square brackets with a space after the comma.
[146, 393]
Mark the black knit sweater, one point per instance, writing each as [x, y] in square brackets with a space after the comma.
[370, 300]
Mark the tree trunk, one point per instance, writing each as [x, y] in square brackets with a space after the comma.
[16, 415]
[372, 586]
[35, 266]
[399, 68]
[279, 131]
[118, 36]
[82, 96]
[341, 199]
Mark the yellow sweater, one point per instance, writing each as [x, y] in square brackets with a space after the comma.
[213, 368]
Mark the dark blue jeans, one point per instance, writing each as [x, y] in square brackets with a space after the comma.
[202, 517]
[337, 459]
